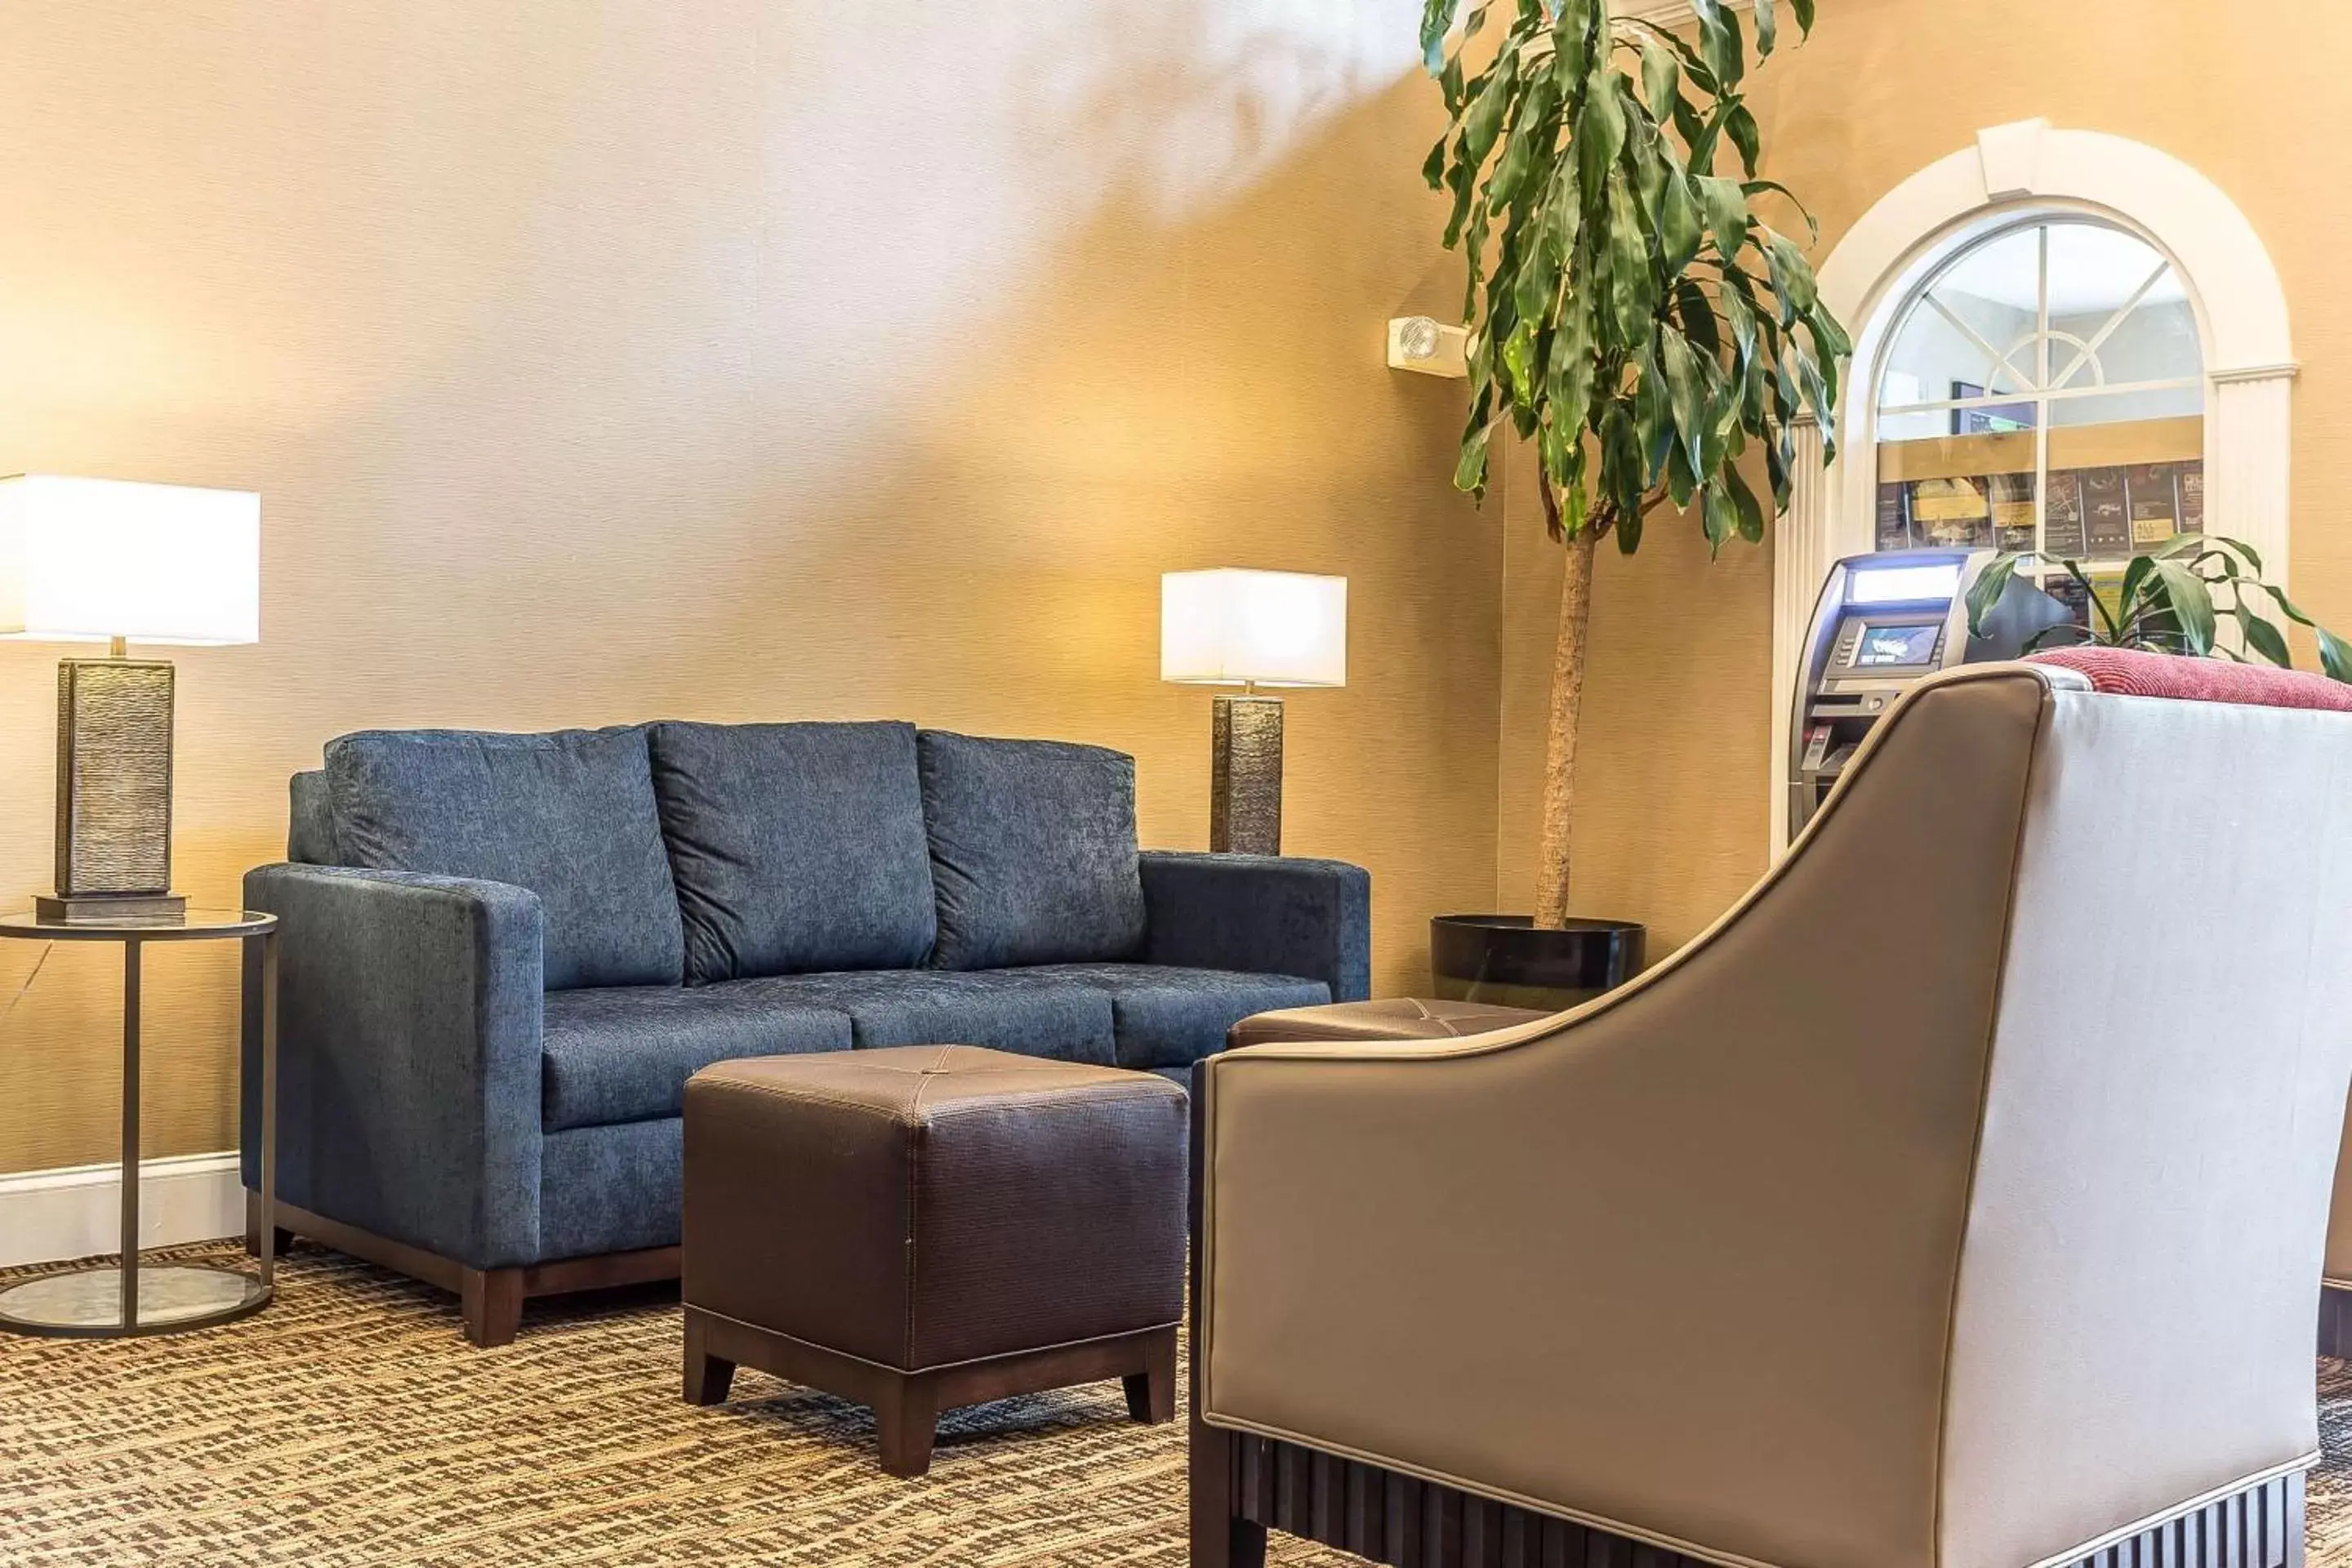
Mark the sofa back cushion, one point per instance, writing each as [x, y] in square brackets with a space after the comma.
[1032, 851]
[569, 815]
[796, 848]
[310, 821]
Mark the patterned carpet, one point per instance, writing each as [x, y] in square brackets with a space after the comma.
[350, 1425]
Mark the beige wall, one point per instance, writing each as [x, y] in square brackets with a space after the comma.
[1671, 824]
[747, 359]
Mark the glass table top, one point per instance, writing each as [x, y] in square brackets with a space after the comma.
[196, 925]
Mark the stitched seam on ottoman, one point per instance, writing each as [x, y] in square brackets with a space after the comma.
[1073, 1095]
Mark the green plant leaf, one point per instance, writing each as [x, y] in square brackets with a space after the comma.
[1792, 278]
[1753, 188]
[2335, 655]
[1740, 126]
[1629, 293]
[1726, 206]
[1750, 510]
[1742, 317]
[1570, 371]
[1720, 42]
[1484, 123]
[1718, 517]
[1684, 399]
[2189, 603]
[1767, 29]
[1804, 10]
[1555, 447]
[2263, 636]
[1434, 169]
[1695, 313]
[1679, 226]
[1621, 466]
[1987, 590]
[1600, 134]
[1470, 470]
[1519, 364]
[1437, 21]
[1654, 412]
[1660, 78]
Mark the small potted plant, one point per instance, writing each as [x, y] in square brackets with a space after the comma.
[1636, 319]
[2171, 600]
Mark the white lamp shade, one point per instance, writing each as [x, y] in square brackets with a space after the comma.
[1231, 626]
[93, 558]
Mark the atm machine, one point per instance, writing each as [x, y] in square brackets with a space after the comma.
[1884, 623]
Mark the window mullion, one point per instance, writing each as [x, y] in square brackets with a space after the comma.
[2042, 398]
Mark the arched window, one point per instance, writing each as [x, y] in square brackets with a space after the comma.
[2043, 389]
[2039, 319]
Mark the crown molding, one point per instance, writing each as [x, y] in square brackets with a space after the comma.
[1668, 13]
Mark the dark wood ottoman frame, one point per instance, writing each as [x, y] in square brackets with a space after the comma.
[907, 1406]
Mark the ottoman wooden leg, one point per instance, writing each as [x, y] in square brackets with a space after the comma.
[707, 1376]
[906, 1415]
[1151, 1393]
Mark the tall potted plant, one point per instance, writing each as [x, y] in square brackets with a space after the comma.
[1637, 318]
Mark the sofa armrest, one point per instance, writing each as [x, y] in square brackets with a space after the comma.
[409, 1021]
[1263, 914]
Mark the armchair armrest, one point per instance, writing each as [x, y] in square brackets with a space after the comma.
[409, 1030]
[1263, 914]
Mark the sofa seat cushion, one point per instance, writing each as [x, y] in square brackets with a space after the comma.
[1032, 1014]
[796, 848]
[569, 815]
[1032, 851]
[1163, 1016]
[623, 1054]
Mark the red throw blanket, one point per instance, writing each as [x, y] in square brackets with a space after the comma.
[2131, 673]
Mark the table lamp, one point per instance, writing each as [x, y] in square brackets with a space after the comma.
[1234, 628]
[112, 562]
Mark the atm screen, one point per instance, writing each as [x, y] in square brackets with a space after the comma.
[1883, 646]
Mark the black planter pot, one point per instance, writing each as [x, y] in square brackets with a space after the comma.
[1505, 959]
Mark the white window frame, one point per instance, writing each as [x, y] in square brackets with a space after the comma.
[2012, 173]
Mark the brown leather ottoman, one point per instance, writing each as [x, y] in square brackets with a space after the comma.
[933, 1227]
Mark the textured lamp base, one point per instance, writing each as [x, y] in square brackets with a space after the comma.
[112, 908]
[1245, 776]
[114, 791]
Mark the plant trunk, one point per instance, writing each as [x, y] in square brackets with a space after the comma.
[1560, 747]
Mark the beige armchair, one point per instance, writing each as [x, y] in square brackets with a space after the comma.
[1957, 1201]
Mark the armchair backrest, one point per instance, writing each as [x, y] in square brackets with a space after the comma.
[2137, 1288]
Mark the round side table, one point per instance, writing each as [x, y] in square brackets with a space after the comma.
[116, 1300]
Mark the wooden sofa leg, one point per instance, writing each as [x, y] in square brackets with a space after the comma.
[907, 1419]
[1151, 1393]
[708, 1377]
[492, 1301]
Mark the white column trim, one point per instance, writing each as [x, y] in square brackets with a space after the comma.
[47, 1216]
[2009, 173]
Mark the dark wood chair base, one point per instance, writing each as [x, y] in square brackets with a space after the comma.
[2335, 1321]
[1244, 1485]
[906, 1404]
[490, 1300]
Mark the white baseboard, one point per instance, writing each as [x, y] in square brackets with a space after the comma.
[46, 1217]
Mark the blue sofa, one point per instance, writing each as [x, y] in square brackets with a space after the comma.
[503, 955]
